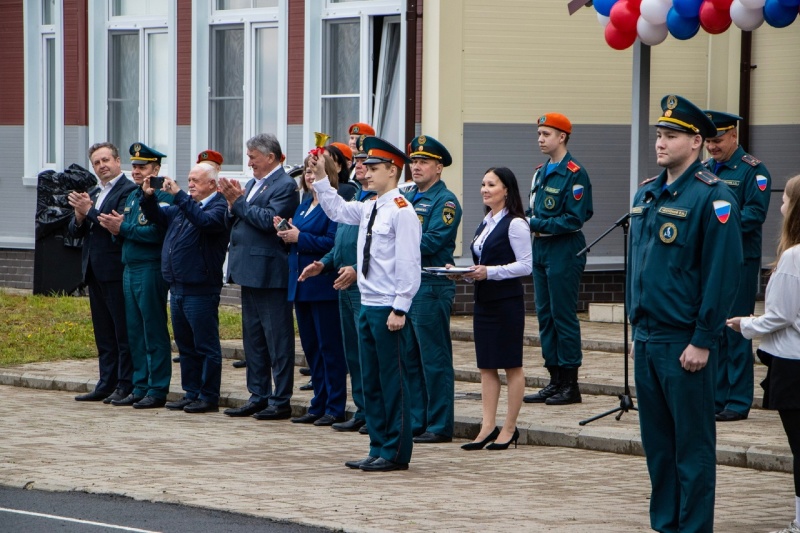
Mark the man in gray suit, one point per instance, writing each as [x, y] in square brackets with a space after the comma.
[258, 262]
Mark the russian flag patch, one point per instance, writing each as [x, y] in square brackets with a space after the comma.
[761, 181]
[723, 210]
[577, 191]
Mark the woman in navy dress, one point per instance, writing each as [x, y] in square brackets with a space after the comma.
[316, 305]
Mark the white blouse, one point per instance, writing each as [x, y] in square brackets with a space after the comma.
[519, 234]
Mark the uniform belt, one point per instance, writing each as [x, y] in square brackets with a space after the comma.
[537, 234]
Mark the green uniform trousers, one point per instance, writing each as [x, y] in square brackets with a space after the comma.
[146, 317]
[556, 282]
[676, 416]
[349, 311]
[383, 366]
[431, 378]
[735, 365]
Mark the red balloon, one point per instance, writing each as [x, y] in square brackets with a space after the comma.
[713, 20]
[624, 17]
[721, 5]
[618, 40]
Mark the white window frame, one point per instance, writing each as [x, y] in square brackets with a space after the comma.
[101, 24]
[204, 18]
[317, 12]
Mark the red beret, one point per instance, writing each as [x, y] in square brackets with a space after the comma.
[557, 121]
[359, 128]
[209, 156]
[346, 151]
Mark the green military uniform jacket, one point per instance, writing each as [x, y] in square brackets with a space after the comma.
[439, 212]
[561, 202]
[750, 181]
[345, 244]
[684, 260]
[142, 239]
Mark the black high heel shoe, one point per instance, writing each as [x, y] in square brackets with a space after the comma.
[479, 445]
[505, 445]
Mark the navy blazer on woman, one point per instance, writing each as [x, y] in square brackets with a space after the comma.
[317, 235]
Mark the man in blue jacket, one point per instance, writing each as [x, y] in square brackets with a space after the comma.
[191, 262]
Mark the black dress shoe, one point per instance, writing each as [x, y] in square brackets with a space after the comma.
[201, 406]
[247, 409]
[128, 400]
[304, 371]
[93, 396]
[241, 363]
[274, 413]
[307, 386]
[355, 465]
[150, 402]
[116, 395]
[328, 420]
[354, 424]
[179, 405]
[307, 418]
[176, 359]
[431, 438]
[383, 465]
[729, 416]
[363, 430]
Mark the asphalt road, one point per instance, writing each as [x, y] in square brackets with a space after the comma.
[79, 512]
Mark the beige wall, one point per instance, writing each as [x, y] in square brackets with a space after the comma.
[776, 82]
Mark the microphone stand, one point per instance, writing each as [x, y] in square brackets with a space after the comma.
[625, 400]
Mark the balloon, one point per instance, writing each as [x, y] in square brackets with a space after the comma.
[723, 5]
[752, 4]
[777, 15]
[604, 6]
[603, 20]
[651, 34]
[790, 3]
[746, 19]
[680, 27]
[687, 8]
[624, 17]
[618, 40]
[712, 20]
[655, 11]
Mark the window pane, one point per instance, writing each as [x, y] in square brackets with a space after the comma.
[50, 102]
[337, 115]
[123, 90]
[48, 11]
[266, 94]
[388, 107]
[127, 8]
[340, 66]
[245, 4]
[157, 103]
[226, 100]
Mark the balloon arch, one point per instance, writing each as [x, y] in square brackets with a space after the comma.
[652, 20]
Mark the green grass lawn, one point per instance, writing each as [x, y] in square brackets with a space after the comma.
[50, 328]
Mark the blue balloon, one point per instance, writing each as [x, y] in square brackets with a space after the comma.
[790, 3]
[604, 6]
[778, 15]
[687, 8]
[682, 28]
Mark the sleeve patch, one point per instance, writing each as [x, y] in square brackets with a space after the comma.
[451, 205]
[707, 177]
[573, 167]
[750, 160]
[401, 202]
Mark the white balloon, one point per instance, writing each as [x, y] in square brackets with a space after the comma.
[655, 11]
[753, 4]
[651, 34]
[603, 20]
[746, 19]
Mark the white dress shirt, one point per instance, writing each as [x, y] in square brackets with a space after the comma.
[105, 189]
[259, 182]
[519, 234]
[395, 259]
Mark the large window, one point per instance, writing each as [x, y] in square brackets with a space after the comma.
[341, 76]
[50, 93]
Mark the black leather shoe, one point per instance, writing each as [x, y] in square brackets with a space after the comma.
[307, 418]
[304, 371]
[729, 416]
[328, 420]
[307, 386]
[241, 363]
[431, 438]
[355, 465]
[128, 400]
[247, 409]
[354, 424]
[274, 413]
[150, 402]
[93, 396]
[201, 406]
[179, 405]
[363, 430]
[383, 465]
[540, 397]
[116, 395]
[568, 393]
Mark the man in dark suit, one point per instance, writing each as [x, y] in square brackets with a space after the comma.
[258, 262]
[102, 272]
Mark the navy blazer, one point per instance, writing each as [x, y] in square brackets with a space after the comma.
[317, 235]
[101, 251]
[257, 257]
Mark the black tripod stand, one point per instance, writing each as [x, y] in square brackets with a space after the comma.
[625, 400]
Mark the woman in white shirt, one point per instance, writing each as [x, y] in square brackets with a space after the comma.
[501, 250]
[779, 327]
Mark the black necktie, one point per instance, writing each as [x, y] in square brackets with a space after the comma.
[368, 241]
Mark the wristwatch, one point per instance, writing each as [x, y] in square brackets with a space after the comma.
[399, 312]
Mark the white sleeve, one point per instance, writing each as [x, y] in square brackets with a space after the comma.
[408, 260]
[519, 235]
[335, 206]
[782, 307]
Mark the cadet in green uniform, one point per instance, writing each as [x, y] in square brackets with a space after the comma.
[430, 368]
[750, 181]
[685, 256]
[144, 287]
[560, 204]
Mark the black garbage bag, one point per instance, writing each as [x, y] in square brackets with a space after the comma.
[52, 207]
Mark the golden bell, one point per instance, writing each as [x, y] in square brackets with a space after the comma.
[320, 139]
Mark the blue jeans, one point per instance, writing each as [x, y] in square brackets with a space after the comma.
[195, 325]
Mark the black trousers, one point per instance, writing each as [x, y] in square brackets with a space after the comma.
[791, 424]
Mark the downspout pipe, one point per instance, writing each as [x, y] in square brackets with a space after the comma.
[744, 88]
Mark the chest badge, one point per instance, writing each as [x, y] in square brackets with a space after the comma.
[577, 191]
[723, 210]
[761, 181]
[421, 219]
[668, 233]
[549, 202]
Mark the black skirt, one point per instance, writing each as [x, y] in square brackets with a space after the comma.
[782, 384]
[499, 327]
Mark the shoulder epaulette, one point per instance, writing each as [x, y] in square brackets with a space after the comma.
[750, 160]
[707, 177]
[401, 202]
[573, 167]
[708, 161]
[648, 180]
[540, 166]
